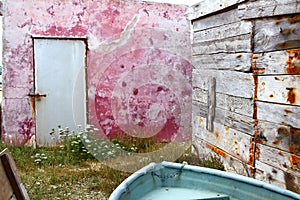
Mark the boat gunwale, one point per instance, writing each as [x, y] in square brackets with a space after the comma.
[123, 187]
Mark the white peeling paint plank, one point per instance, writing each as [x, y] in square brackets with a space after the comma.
[230, 119]
[262, 8]
[278, 62]
[216, 20]
[226, 102]
[207, 7]
[234, 83]
[223, 61]
[279, 89]
[277, 158]
[230, 163]
[231, 141]
[275, 135]
[235, 44]
[279, 114]
[277, 34]
[280, 178]
[225, 31]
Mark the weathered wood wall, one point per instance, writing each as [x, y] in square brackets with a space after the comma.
[250, 116]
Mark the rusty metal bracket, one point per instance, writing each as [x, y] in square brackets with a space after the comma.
[37, 95]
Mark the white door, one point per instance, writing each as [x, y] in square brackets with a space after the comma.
[60, 96]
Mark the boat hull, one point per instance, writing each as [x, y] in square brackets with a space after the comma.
[168, 180]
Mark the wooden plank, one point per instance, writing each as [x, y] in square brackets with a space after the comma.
[9, 178]
[207, 7]
[231, 119]
[277, 34]
[278, 62]
[229, 140]
[279, 89]
[279, 114]
[235, 44]
[226, 102]
[5, 189]
[199, 95]
[279, 136]
[211, 104]
[223, 61]
[277, 158]
[206, 150]
[216, 20]
[274, 135]
[281, 178]
[262, 8]
[225, 31]
[233, 83]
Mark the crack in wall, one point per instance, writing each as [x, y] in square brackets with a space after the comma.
[109, 46]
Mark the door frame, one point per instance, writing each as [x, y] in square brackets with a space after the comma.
[33, 89]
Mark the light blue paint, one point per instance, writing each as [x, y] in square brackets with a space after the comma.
[173, 193]
[192, 182]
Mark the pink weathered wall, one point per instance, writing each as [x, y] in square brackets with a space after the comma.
[138, 55]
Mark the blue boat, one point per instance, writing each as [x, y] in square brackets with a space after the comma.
[175, 181]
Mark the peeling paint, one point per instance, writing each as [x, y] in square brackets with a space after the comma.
[107, 47]
[113, 30]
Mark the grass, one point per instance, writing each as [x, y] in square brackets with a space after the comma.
[70, 172]
[60, 175]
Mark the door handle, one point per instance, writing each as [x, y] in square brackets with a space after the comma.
[37, 96]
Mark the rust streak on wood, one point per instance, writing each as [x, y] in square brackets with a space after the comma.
[294, 140]
[253, 153]
[216, 150]
[294, 19]
[295, 161]
[291, 182]
[280, 153]
[293, 62]
[291, 96]
[287, 111]
[255, 78]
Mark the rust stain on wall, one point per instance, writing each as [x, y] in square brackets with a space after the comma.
[253, 153]
[32, 104]
[217, 135]
[294, 19]
[295, 161]
[280, 153]
[216, 150]
[256, 70]
[293, 62]
[255, 78]
[287, 111]
[291, 183]
[201, 121]
[292, 95]
[252, 170]
[295, 141]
